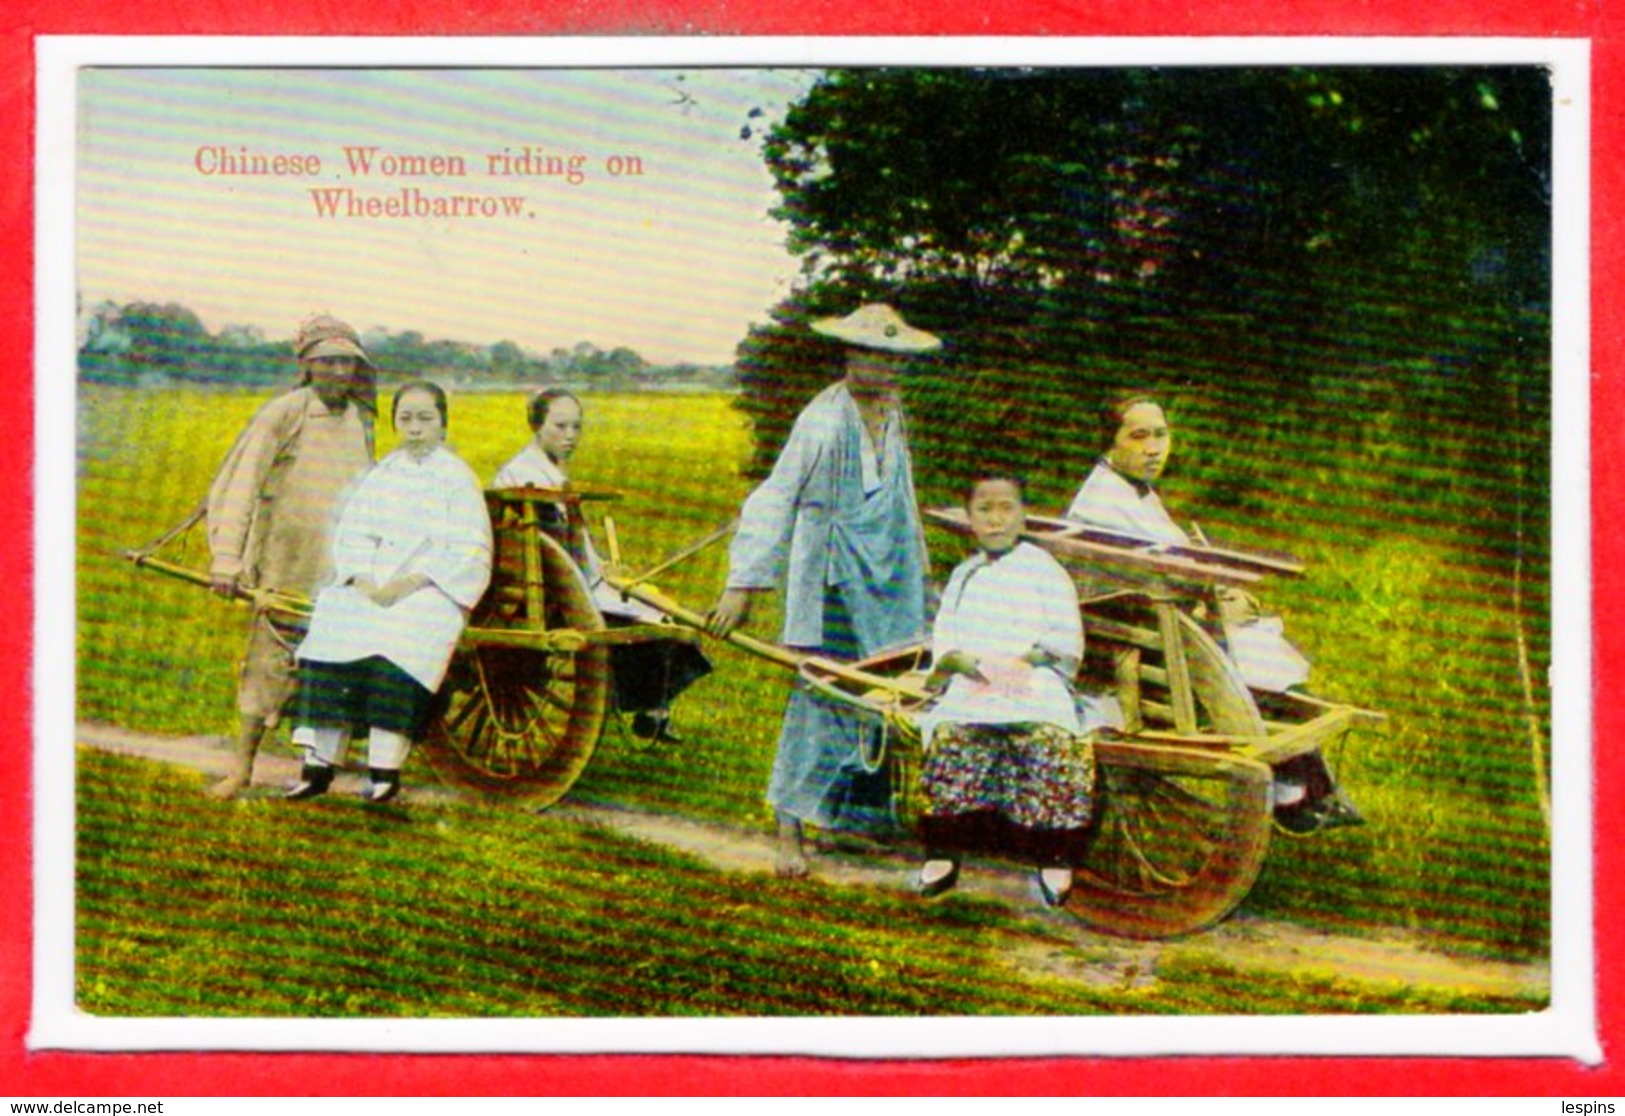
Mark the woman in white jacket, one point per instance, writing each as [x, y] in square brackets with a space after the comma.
[651, 673]
[1006, 766]
[411, 558]
[1120, 495]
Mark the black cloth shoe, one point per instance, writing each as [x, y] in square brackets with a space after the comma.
[381, 786]
[653, 726]
[1298, 819]
[314, 779]
[1332, 812]
[1337, 811]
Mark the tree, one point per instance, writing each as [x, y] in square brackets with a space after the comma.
[166, 337]
[241, 336]
[507, 359]
[1282, 234]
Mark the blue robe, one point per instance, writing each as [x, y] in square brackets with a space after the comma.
[839, 524]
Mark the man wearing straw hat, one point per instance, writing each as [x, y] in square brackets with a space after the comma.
[838, 520]
[272, 507]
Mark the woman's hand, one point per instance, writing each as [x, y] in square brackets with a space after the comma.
[1036, 656]
[223, 585]
[385, 596]
[1236, 606]
[952, 663]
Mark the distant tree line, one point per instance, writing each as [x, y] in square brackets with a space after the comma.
[149, 342]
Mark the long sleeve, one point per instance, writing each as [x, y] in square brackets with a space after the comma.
[767, 521]
[996, 612]
[356, 538]
[408, 516]
[460, 566]
[945, 631]
[239, 485]
[816, 524]
[1060, 624]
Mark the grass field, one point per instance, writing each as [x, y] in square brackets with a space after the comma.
[1394, 617]
[349, 911]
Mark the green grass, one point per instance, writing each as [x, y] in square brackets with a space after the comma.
[191, 907]
[1406, 621]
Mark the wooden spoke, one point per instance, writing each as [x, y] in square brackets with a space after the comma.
[521, 723]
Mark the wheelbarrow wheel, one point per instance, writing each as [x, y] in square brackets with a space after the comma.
[1180, 838]
[1181, 833]
[521, 723]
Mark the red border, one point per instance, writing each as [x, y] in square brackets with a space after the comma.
[157, 1075]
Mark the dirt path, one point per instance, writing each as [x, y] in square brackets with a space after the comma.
[1242, 941]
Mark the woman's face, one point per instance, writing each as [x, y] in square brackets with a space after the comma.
[418, 422]
[997, 515]
[561, 429]
[1143, 443]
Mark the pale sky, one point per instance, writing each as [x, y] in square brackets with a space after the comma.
[676, 262]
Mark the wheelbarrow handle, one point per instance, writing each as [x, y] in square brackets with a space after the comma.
[686, 552]
[657, 600]
[264, 598]
[797, 661]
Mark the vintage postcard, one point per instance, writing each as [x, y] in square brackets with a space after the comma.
[875, 548]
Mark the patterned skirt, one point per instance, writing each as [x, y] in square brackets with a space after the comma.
[1026, 790]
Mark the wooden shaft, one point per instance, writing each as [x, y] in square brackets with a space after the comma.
[169, 569]
[771, 651]
[1173, 659]
[654, 598]
[687, 552]
[1099, 627]
[290, 603]
[535, 602]
[865, 678]
[159, 543]
[565, 640]
[1126, 661]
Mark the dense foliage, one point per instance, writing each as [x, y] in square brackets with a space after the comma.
[1313, 261]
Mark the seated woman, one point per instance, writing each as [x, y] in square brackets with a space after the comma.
[411, 557]
[1005, 766]
[1119, 495]
[648, 675]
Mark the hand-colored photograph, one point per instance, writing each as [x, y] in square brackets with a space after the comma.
[786, 542]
